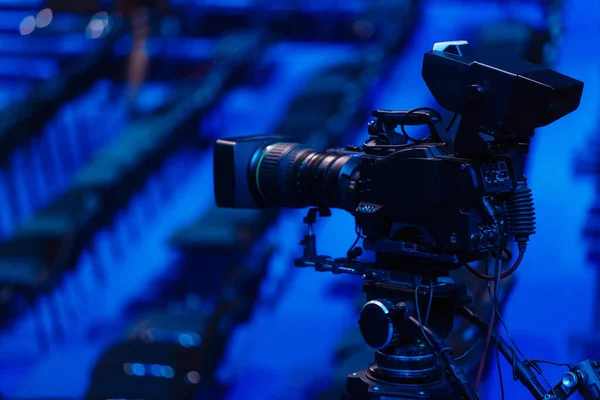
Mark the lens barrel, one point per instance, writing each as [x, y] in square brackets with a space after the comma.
[291, 175]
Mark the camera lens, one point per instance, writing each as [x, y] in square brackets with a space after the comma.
[291, 175]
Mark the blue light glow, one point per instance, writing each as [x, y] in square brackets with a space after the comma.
[138, 369]
[167, 372]
[156, 370]
[186, 340]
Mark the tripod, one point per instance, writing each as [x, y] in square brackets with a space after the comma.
[411, 360]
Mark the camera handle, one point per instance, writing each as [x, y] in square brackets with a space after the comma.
[388, 120]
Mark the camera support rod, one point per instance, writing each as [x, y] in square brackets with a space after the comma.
[521, 370]
[582, 378]
[310, 258]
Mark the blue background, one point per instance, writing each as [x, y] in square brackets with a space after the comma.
[287, 347]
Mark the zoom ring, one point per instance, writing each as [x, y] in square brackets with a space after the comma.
[272, 180]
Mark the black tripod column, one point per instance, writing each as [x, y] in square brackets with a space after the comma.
[406, 366]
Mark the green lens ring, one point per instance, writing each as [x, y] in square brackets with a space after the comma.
[260, 160]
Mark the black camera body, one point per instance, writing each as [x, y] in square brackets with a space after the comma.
[431, 203]
[425, 203]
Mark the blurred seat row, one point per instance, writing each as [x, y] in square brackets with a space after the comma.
[224, 255]
[82, 180]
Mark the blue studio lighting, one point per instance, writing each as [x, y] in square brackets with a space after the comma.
[123, 261]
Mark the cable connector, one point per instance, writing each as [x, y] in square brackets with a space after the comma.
[491, 211]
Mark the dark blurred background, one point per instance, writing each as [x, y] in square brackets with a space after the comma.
[119, 279]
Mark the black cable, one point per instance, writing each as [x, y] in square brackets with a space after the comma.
[506, 254]
[568, 365]
[536, 367]
[358, 230]
[497, 269]
[463, 355]
[380, 136]
[367, 143]
[504, 274]
[497, 280]
[359, 236]
[452, 121]
[499, 372]
[512, 340]
[429, 304]
[514, 360]
[492, 324]
[354, 244]
[403, 130]
[419, 313]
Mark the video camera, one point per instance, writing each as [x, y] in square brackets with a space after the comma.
[422, 205]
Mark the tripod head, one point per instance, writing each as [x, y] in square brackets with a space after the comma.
[410, 359]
